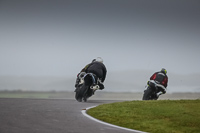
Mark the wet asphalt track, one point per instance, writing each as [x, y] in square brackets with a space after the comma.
[50, 116]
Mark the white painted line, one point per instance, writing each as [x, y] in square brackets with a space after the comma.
[92, 118]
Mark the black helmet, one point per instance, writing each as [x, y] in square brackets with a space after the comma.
[164, 70]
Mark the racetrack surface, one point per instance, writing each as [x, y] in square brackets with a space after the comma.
[50, 116]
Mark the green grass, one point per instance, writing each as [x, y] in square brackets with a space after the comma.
[161, 116]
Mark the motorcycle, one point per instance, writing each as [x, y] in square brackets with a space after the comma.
[87, 86]
[153, 90]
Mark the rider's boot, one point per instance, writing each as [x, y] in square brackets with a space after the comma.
[93, 92]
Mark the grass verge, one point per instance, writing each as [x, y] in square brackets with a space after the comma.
[161, 116]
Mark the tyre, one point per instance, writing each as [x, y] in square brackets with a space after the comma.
[147, 94]
[78, 96]
[81, 93]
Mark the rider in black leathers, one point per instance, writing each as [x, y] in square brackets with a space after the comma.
[96, 67]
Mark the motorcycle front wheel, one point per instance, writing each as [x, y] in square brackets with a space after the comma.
[81, 93]
[78, 95]
[147, 94]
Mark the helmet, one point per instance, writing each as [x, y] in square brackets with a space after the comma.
[99, 59]
[164, 70]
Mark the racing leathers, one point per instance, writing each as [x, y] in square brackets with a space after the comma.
[162, 79]
[96, 68]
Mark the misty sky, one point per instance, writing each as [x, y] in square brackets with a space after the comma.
[59, 37]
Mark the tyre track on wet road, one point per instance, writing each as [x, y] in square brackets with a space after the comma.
[50, 116]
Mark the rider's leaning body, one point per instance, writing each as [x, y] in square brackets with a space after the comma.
[95, 67]
[160, 78]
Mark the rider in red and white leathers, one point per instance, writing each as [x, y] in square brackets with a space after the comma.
[160, 78]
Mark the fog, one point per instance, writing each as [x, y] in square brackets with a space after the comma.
[45, 43]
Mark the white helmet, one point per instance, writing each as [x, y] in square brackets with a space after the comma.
[99, 59]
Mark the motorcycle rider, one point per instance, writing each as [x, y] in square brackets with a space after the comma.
[96, 67]
[160, 78]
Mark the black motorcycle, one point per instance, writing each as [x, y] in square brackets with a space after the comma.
[87, 86]
[153, 90]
